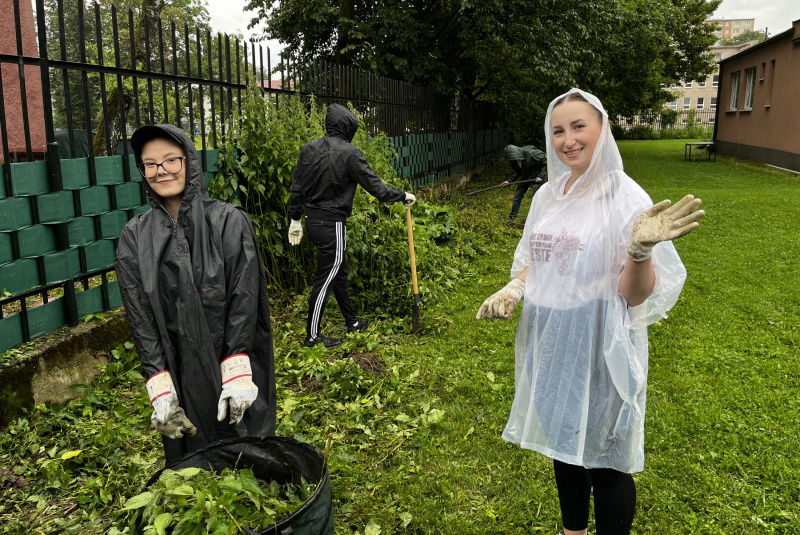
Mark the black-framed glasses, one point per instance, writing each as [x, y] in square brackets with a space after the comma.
[170, 165]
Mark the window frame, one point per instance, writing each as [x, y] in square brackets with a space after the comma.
[687, 103]
[735, 81]
[750, 88]
[700, 104]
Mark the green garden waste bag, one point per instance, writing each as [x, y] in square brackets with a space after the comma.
[281, 459]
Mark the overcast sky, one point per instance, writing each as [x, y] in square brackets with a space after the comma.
[774, 15]
[229, 16]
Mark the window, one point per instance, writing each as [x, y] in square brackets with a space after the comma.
[711, 119]
[737, 22]
[684, 120]
[687, 103]
[750, 89]
[689, 85]
[713, 103]
[747, 23]
[701, 103]
[736, 30]
[701, 84]
[735, 90]
[674, 104]
[727, 23]
[718, 57]
[715, 81]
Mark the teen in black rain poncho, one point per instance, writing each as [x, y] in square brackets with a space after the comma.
[195, 294]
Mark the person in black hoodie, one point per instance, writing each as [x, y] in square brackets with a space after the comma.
[323, 186]
[195, 294]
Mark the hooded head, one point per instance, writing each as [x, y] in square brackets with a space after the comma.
[604, 158]
[512, 152]
[172, 143]
[340, 122]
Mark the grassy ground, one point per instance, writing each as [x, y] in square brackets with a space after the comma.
[415, 421]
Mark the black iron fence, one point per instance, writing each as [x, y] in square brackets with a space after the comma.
[82, 77]
[668, 119]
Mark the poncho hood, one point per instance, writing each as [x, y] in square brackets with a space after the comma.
[340, 122]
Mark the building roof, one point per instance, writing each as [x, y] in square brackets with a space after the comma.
[787, 33]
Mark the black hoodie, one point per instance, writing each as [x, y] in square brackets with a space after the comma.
[195, 292]
[329, 169]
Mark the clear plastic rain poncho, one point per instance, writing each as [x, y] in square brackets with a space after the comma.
[581, 352]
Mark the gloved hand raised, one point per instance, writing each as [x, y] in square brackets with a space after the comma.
[238, 389]
[501, 304]
[295, 232]
[167, 417]
[663, 222]
[409, 200]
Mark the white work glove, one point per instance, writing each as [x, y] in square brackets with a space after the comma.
[167, 417]
[238, 389]
[409, 200]
[663, 223]
[505, 183]
[295, 232]
[501, 304]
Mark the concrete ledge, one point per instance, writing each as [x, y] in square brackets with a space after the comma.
[65, 357]
[451, 183]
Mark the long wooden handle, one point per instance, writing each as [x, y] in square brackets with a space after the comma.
[411, 250]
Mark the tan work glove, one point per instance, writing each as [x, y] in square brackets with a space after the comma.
[238, 389]
[168, 417]
[663, 222]
[177, 427]
[501, 304]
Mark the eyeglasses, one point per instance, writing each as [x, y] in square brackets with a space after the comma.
[170, 165]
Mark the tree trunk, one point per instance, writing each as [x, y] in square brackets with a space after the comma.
[346, 11]
[151, 12]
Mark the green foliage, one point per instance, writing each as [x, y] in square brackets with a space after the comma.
[415, 421]
[258, 159]
[744, 37]
[192, 500]
[519, 54]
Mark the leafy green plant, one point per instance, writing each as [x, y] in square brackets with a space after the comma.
[192, 500]
[258, 159]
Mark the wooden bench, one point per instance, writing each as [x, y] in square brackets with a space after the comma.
[701, 145]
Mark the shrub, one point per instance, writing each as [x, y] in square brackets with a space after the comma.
[258, 158]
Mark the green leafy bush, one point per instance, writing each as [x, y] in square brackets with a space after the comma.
[258, 158]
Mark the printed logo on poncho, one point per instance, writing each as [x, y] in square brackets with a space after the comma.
[564, 248]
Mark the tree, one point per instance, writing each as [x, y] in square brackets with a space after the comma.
[744, 37]
[516, 53]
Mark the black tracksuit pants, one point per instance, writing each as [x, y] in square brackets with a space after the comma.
[330, 239]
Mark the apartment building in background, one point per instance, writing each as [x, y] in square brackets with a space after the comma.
[730, 28]
[701, 95]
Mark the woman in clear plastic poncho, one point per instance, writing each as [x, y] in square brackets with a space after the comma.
[595, 265]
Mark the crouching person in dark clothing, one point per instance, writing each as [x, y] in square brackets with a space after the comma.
[528, 163]
[323, 186]
[195, 293]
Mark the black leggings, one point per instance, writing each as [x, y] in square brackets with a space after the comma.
[614, 498]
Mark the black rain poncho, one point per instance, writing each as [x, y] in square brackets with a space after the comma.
[195, 292]
[329, 169]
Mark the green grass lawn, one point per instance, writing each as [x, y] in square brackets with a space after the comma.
[415, 420]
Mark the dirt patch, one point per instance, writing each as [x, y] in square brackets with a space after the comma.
[310, 385]
[370, 362]
[10, 480]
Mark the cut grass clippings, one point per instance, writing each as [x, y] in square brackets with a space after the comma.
[415, 434]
